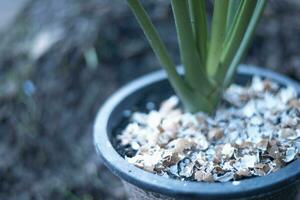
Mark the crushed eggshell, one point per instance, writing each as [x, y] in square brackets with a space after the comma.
[254, 132]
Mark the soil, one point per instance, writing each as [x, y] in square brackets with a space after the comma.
[51, 86]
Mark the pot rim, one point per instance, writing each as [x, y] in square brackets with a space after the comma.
[155, 183]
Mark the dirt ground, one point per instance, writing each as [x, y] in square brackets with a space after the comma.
[61, 59]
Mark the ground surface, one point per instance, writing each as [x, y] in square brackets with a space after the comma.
[51, 87]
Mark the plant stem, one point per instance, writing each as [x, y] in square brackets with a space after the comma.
[245, 42]
[217, 35]
[194, 73]
[156, 43]
[233, 42]
[193, 101]
[237, 31]
[208, 67]
[199, 24]
[232, 11]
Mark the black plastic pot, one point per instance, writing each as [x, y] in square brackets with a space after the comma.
[283, 184]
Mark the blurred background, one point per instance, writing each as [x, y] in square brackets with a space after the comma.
[60, 59]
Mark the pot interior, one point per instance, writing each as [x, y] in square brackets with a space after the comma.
[144, 100]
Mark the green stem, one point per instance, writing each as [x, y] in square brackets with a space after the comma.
[217, 35]
[206, 65]
[194, 73]
[238, 29]
[246, 40]
[199, 24]
[236, 35]
[193, 101]
[232, 11]
[157, 45]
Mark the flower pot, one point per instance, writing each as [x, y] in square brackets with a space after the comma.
[283, 184]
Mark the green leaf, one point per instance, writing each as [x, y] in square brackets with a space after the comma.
[208, 66]
[217, 35]
[237, 31]
[234, 38]
[193, 101]
[158, 47]
[199, 24]
[246, 40]
[232, 11]
[194, 73]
